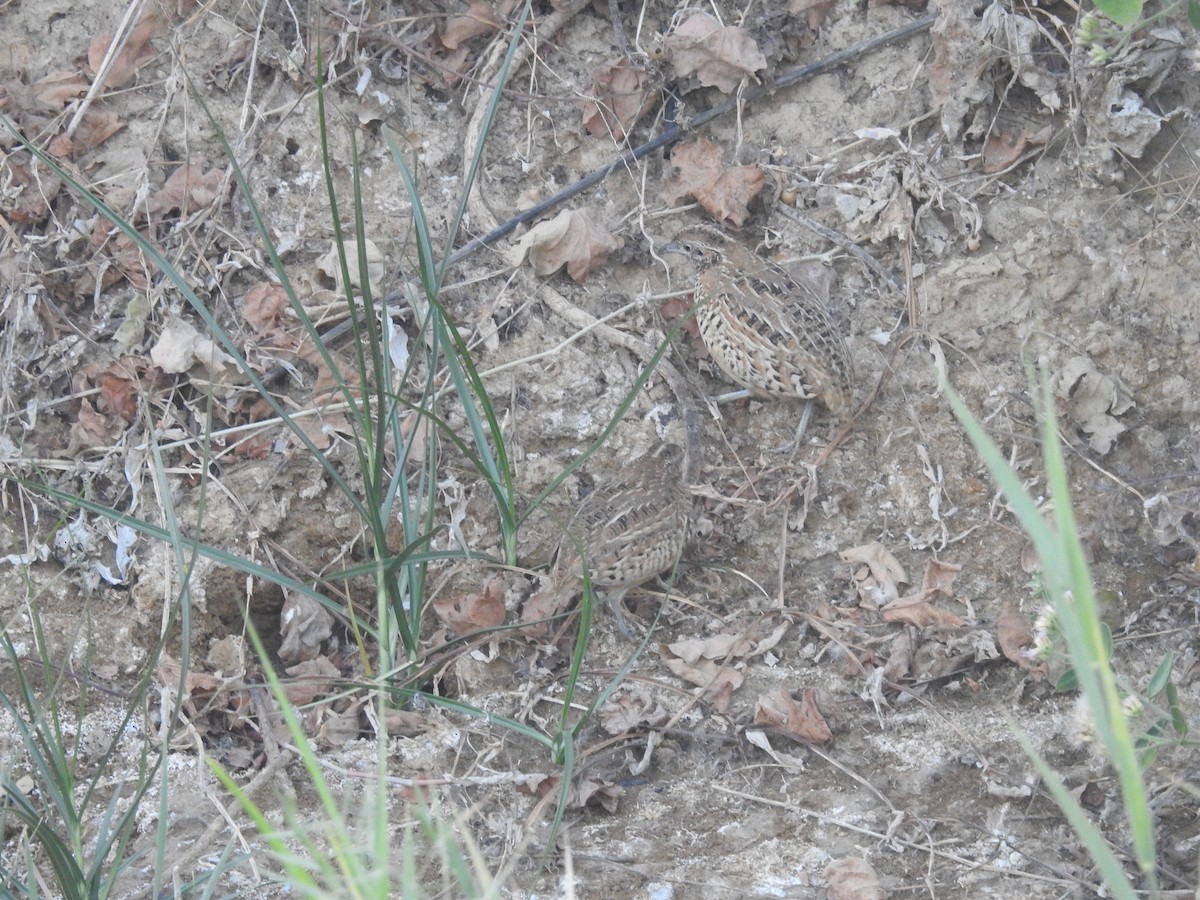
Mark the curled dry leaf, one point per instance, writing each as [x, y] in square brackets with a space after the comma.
[814, 11]
[1015, 637]
[880, 582]
[800, 719]
[959, 76]
[313, 678]
[853, 878]
[718, 55]
[473, 612]
[1094, 400]
[719, 682]
[916, 608]
[264, 308]
[198, 687]
[719, 646]
[572, 239]
[939, 577]
[544, 605]
[701, 174]
[1002, 149]
[180, 346]
[586, 791]
[188, 189]
[632, 708]
[304, 624]
[136, 52]
[329, 266]
[919, 612]
[482, 17]
[616, 99]
[671, 309]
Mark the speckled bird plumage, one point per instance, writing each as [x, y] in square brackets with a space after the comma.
[768, 332]
[631, 529]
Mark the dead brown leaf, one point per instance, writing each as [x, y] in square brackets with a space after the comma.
[586, 791]
[1015, 637]
[880, 582]
[939, 577]
[718, 646]
[466, 613]
[482, 17]
[675, 307]
[264, 308]
[131, 57]
[853, 878]
[121, 386]
[1002, 149]
[801, 720]
[313, 678]
[303, 623]
[918, 611]
[572, 239]
[408, 723]
[36, 188]
[900, 656]
[126, 256]
[616, 99]
[188, 189]
[718, 55]
[92, 429]
[814, 11]
[57, 89]
[631, 709]
[98, 126]
[198, 687]
[541, 606]
[725, 192]
[718, 682]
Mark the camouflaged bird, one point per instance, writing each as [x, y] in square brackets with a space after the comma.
[629, 531]
[767, 331]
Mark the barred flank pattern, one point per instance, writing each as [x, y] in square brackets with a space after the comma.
[768, 332]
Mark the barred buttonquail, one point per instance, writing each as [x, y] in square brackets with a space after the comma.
[630, 530]
[768, 332]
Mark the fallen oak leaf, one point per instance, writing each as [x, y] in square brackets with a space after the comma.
[481, 610]
[718, 682]
[879, 584]
[718, 55]
[572, 239]
[916, 610]
[188, 189]
[801, 719]
[701, 174]
[481, 17]
[136, 52]
[1015, 638]
[616, 98]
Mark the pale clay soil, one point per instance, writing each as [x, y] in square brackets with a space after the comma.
[1079, 259]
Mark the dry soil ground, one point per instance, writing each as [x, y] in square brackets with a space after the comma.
[1035, 208]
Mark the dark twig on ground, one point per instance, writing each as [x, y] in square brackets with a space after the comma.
[669, 136]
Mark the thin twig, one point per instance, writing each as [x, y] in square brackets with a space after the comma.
[669, 136]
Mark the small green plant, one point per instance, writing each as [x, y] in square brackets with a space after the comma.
[1157, 712]
[1117, 21]
[86, 841]
[391, 482]
[1072, 596]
